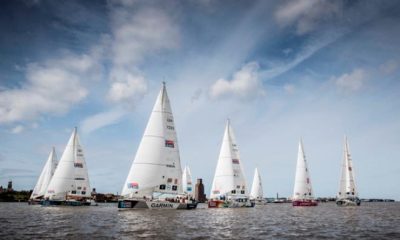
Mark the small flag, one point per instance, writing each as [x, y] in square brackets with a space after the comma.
[133, 185]
[169, 143]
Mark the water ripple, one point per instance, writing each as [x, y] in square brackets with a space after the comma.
[273, 221]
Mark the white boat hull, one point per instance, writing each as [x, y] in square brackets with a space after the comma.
[348, 202]
[230, 203]
[153, 204]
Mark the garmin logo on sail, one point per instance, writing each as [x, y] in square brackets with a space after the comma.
[162, 205]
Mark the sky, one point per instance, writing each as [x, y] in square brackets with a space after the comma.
[279, 70]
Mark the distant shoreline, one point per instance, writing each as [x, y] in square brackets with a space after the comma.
[23, 196]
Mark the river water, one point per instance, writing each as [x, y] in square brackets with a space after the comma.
[273, 221]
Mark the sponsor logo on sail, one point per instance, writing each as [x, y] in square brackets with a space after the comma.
[169, 143]
[133, 185]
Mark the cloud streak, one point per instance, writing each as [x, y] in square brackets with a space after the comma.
[101, 120]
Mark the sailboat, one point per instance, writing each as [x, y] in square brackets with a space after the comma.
[347, 195]
[256, 193]
[155, 177]
[187, 182]
[70, 182]
[229, 188]
[302, 194]
[44, 179]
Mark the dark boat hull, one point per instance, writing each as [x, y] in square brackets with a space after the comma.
[304, 203]
[64, 203]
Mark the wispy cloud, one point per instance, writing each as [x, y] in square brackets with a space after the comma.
[307, 15]
[17, 129]
[245, 83]
[389, 67]
[101, 120]
[353, 81]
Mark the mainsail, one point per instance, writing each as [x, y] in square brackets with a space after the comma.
[71, 177]
[229, 176]
[302, 185]
[156, 168]
[187, 181]
[256, 188]
[347, 183]
[45, 176]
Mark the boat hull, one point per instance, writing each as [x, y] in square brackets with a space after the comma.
[34, 201]
[154, 204]
[304, 203]
[348, 202]
[229, 204]
[64, 203]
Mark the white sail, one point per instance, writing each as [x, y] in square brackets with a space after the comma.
[156, 168]
[45, 176]
[347, 183]
[256, 188]
[71, 176]
[229, 177]
[302, 185]
[187, 181]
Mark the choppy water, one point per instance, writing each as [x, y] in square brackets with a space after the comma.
[273, 221]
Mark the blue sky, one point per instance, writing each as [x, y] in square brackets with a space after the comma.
[280, 70]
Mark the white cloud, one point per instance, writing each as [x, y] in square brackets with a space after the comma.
[351, 81]
[137, 34]
[289, 88]
[389, 67]
[52, 87]
[245, 83]
[126, 87]
[141, 33]
[17, 129]
[101, 120]
[306, 15]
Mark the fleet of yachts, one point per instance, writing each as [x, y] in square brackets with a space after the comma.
[156, 180]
